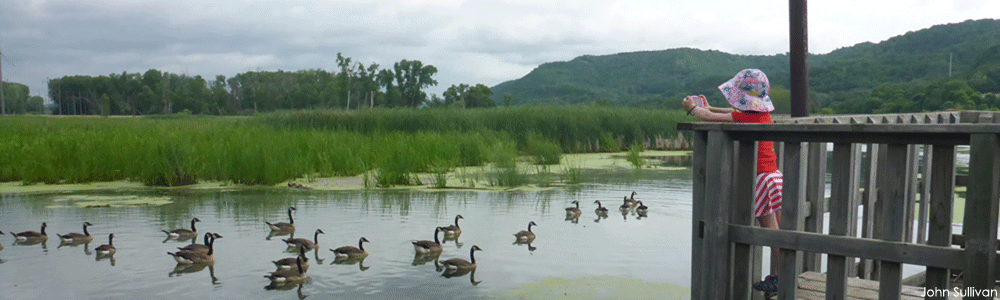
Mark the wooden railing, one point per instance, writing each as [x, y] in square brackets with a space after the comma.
[725, 245]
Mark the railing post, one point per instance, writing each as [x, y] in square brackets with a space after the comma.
[893, 197]
[980, 222]
[699, 140]
[716, 244]
[816, 197]
[942, 195]
[793, 200]
[840, 210]
[742, 214]
[925, 194]
[868, 215]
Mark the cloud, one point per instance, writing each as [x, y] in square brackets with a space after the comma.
[468, 41]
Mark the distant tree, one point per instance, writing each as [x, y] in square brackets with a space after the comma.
[411, 78]
[36, 105]
[479, 96]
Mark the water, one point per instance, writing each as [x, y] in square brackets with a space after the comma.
[652, 249]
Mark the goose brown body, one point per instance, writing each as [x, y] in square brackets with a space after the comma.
[290, 262]
[574, 211]
[423, 247]
[209, 236]
[304, 243]
[289, 275]
[75, 237]
[282, 226]
[526, 235]
[600, 209]
[351, 251]
[453, 229]
[642, 208]
[195, 257]
[32, 235]
[181, 232]
[458, 263]
[107, 249]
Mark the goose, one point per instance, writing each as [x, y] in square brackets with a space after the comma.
[183, 232]
[209, 237]
[453, 229]
[1, 245]
[107, 249]
[195, 257]
[307, 244]
[458, 263]
[631, 200]
[77, 237]
[642, 208]
[289, 262]
[288, 275]
[573, 211]
[32, 235]
[526, 235]
[424, 247]
[282, 226]
[625, 207]
[350, 251]
[600, 209]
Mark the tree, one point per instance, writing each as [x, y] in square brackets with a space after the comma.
[411, 78]
[479, 96]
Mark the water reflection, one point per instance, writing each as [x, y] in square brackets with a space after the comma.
[530, 247]
[181, 269]
[423, 258]
[285, 287]
[575, 218]
[109, 257]
[274, 233]
[452, 238]
[86, 245]
[347, 260]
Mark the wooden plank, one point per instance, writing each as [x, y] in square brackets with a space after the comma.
[813, 284]
[892, 251]
[893, 197]
[793, 198]
[816, 197]
[716, 244]
[840, 210]
[910, 192]
[868, 215]
[925, 194]
[942, 194]
[855, 201]
[742, 214]
[699, 140]
[980, 223]
[846, 128]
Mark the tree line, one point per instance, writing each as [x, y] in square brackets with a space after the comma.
[355, 85]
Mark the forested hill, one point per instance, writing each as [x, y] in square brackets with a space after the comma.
[904, 66]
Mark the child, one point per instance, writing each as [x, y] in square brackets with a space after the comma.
[747, 92]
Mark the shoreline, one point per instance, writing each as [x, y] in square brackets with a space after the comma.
[463, 178]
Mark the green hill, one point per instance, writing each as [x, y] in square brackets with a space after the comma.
[660, 78]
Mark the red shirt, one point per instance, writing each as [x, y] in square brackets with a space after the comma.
[766, 159]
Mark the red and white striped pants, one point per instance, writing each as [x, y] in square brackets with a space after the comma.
[768, 189]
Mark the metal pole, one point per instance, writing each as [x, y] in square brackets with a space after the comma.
[799, 47]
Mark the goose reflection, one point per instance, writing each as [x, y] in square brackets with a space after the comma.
[274, 286]
[194, 268]
[420, 259]
[109, 257]
[599, 217]
[76, 243]
[530, 247]
[450, 273]
[453, 238]
[181, 239]
[31, 242]
[271, 234]
[575, 218]
[347, 260]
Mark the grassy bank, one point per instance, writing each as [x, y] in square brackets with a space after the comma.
[386, 146]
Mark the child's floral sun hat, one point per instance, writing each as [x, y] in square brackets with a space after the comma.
[748, 91]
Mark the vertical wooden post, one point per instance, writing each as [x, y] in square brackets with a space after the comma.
[868, 214]
[798, 39]
[942, 196]
[893, 198]
[742, 214]
[980, 223]
[854, 186]
[911, 191]
[840, 210]
[793, 200]
[716, 245]
[816, 196]
[699, 140]
[925, 194]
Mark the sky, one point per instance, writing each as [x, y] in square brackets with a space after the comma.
[469, 42]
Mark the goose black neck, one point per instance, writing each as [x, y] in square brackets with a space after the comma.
[361, 244]
[290, 219]
[456, 221]
[85, 230]
[599, 204]
[43, 229]
[529, 227]
[298, 264]
[207, 235]
[578, 205]
[192, 226]
[436, 241]
[302, 252]
[472, 255]
[110, 239]
[211, 249]
[316, 237]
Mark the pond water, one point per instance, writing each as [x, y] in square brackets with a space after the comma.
[621, 248]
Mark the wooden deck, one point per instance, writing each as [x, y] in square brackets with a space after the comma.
[812, 286]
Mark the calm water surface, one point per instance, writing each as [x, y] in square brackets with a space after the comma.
[654, 249]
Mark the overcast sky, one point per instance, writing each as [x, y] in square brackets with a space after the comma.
[471, 42]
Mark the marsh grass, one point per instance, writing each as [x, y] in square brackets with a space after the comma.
[634, 156]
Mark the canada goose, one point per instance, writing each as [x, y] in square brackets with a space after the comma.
[424, 247]
[107, 249]
[600, 209]
[625, 207]
[282, 226]
[458, 263]
[642, 208]
[1, 245]
[288, 275]
[573, 211]
[631, 200]
[290, 262]
[195, 257]
[209, 237]
[183, 232]
[300, 242]
[351, 251]
[77, 237]
[453, 229]
[32, 235]
[526, 235]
